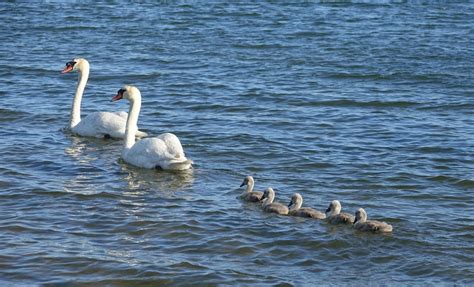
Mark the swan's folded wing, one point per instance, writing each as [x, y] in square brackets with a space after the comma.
[122, 114]
[111, 124]
[99, 124]
[151, 153]
[173, 145]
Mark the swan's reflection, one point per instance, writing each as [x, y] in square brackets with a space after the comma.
[140, 180]
[89, 171]
[84, 150]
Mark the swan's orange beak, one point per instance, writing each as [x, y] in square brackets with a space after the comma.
[67, 69]
[117, 97]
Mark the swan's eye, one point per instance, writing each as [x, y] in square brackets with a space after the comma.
[72, 63]
[121, 91]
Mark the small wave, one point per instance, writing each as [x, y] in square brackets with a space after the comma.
[445, 107]
[188, 266]
[260, 46]
[308, 34]
[69, 28]
[350, 103]
[389, 2]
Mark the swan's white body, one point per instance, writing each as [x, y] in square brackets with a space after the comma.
[97, 124]
[164, 151]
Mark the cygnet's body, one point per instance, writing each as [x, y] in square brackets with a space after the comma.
[249, 194]
[335, 216]
[295, 208]
[270, 206]
[362, 224]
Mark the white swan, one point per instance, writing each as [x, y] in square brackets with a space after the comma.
[270, 206]
[335, 216]
[296, 209]
[361, 223]
[98, 124]
[164, 151]
[249, 194]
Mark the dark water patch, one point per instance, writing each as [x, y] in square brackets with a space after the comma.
[309, 34]
[263, 47]
[452, 180]
[465, 183]
[445, 107]
[9, 116]
[435, 149]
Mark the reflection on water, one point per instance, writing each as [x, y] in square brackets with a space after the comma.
[86, 175]
[82, 149]
[166, 182]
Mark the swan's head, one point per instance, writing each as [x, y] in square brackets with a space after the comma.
[296, 201]
[360, 216]
[78, 64]
[128, 93]
[248, 180]
[334, 207]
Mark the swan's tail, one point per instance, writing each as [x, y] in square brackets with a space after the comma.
[140, 134]
[181, 165]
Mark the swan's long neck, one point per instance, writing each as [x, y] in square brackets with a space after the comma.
[76, 104]
[132, 119]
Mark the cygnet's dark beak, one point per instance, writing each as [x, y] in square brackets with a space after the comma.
[329, 209]
[355, 220]
[243, 183]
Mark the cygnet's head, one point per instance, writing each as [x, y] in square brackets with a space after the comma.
[296, 201]
[334, 207]
[248, 180]
[127, 92]
[360, 216]
[77, 64]
[269, 193]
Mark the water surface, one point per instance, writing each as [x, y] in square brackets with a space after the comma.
[368, 103]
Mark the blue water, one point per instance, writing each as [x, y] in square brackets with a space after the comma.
[368, 103]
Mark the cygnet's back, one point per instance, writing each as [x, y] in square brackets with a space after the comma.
[270, 206]
[362, 224]
[295, 208]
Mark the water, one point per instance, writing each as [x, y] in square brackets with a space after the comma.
[368, 103]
